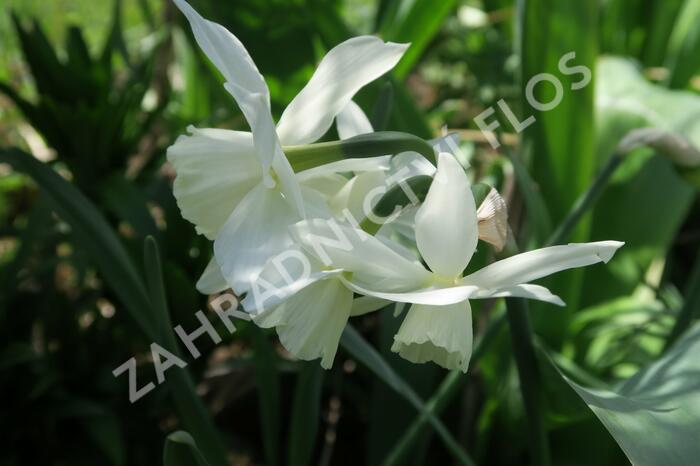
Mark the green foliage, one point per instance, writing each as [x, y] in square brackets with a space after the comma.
[651, 415]
[181, 450]
[84, 286]
[82, 111]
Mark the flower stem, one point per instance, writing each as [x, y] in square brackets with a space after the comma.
[586, 200]
[313, 155]
[362, 146]
[529, 374]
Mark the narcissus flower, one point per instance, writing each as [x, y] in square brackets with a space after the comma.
[438, 325]
[238, 188]
[292, 244]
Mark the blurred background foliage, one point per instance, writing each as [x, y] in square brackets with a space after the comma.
[96, 91]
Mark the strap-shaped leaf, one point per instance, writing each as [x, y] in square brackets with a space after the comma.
[93, 233]
[356, 345]
[181, 450]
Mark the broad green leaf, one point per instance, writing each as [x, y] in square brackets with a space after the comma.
[306, 414]
[356, 345]
[654, 416]
[181, 450]
[646, 190]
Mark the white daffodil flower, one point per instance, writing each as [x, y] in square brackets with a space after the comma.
[438, 325]
[307, 304]
[238, 188]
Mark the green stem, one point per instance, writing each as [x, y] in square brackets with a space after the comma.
[586, 201]
[313, 155]
[690, 306]
[442, 397]
[191, 410]
[365, 145]
[529, 375]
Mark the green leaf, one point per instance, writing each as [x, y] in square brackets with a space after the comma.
[559, 145]
[449, 388]
[306, 414]
[683, 60]
[267, 379]
[93, 234]
[192, 412]
[417, 22]
[390, 414]
[106, 432]
[181, 450]
[356, 345]
[127, 202]
[659, 29]
[382, 107]
[654, 415]
[538, 214]
[644, 184]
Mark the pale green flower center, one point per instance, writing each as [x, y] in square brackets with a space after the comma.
[270, 179]
[445, 281]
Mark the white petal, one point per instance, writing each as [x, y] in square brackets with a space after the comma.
[539, 263]
[529, 291]
[367, 258]
[284, 275]
[441, 334]
[243, 80]
[256, 109]
[446, 225]
[327, 184]
[289, 184]
[366, 304]
[224, 50]
[433, 295]
[215, 170]
[255, 232]
[354, 197]
[404, 225]
[341, 73]
[211, 281]
[352, 121]
[347, 165]
[493, 220]
[408, 164]
[310, 323]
